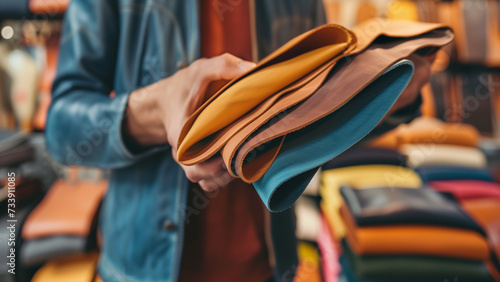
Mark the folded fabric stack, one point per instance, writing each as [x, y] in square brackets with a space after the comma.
[410, 235]
[389, 226]
[360, 177]
[364, 169]
[64, 223]
[429, 142]
[306, 103]
[479, 196]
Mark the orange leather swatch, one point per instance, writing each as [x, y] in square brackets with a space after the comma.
[66, 209]
[414, 240]
[428, 130]
[48, 6]
[486, 212]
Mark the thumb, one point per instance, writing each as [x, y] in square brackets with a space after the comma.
[227, 66]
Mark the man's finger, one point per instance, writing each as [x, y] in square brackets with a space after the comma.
[212, 184]
[205, 170]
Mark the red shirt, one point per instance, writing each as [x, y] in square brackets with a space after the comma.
[226, 240]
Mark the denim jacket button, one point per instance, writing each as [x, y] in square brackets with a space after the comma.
[169, 225]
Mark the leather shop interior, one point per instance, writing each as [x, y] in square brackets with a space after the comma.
[395, 176]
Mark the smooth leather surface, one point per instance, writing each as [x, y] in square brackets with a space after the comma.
[359, 177]
[67, 209]
[439, 154]
[414, 240]
[468, 189]
[437, 172]
[366, 156]
[387, 206]
[487, 213]
[416, 268]
[428, 130]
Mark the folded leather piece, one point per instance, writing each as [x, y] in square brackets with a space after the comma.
[438, 154]
[366, 156]
[414, 268]
[414, 240]
[387, 206]
[428, 130]
[40, 250]
[359, 177]
[255, 120]
[468, 189]
[438, 172]
[67, 209]
[487, 213]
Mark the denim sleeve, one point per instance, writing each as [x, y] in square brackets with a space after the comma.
[84, 123]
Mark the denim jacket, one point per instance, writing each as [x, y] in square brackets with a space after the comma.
[122, 45]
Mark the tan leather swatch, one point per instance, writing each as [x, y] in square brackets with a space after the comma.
[67, 209]
[414, 240]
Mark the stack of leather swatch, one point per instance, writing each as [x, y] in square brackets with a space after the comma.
[411, 235]
[374, 170]
[363, 168]
[306, 103]
[478, 194]
[428, 142]
[64, 223]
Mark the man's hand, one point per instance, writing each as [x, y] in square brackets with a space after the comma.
[157, 113]
[420, 77]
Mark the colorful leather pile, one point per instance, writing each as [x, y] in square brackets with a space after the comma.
[64, 223]
[436, 221]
